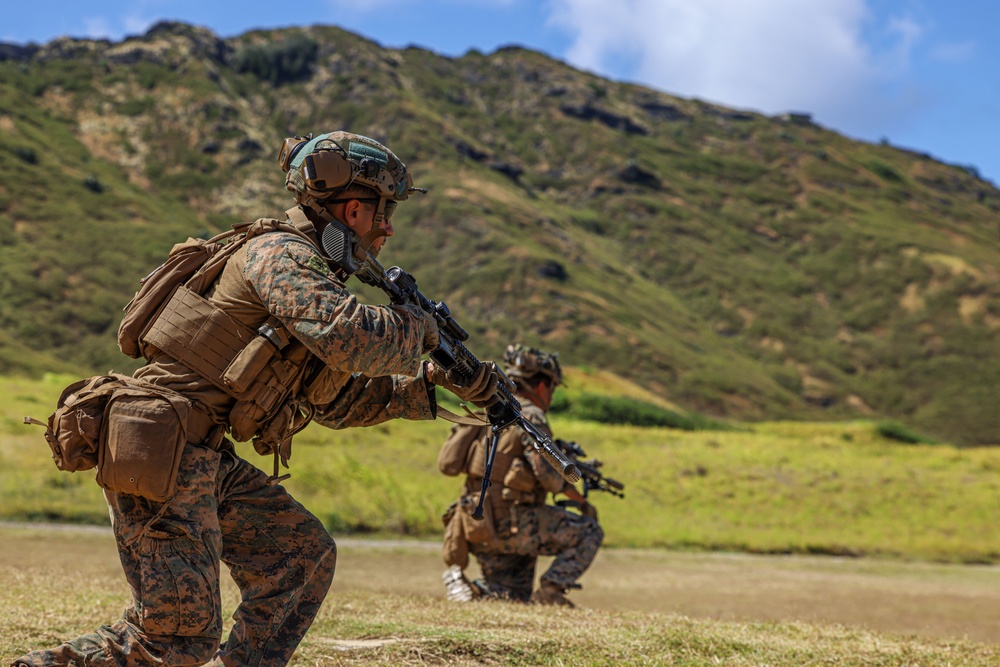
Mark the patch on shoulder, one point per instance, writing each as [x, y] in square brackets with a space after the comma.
[319, 265]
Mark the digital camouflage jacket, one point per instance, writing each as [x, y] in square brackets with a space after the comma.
[367, 358]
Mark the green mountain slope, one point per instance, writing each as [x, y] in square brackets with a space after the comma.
[733, 263]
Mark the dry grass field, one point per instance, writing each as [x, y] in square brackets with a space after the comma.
[638, 607]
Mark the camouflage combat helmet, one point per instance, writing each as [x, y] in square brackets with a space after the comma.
[319, 168]
[523, 362]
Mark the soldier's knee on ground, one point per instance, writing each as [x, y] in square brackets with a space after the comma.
[551, 594]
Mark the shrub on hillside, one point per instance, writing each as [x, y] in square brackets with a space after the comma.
[279, 62]
[893, 430]
[623, 410]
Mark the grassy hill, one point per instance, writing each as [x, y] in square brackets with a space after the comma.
[738, 265]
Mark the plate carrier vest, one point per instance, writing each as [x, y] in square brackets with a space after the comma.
[263, 370]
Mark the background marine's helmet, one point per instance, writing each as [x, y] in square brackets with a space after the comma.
[319, 168]
[522, 363]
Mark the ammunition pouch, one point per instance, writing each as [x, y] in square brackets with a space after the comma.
[519, 477]
[455, 547]
[261, 369]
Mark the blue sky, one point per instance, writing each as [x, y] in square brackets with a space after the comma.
[921, 74]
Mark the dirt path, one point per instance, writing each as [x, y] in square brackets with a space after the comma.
[938, 601]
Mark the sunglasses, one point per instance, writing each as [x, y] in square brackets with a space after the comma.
[390, 206]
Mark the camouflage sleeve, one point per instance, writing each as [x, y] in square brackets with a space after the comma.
[366, 401]
[297, 286]
[547, 476]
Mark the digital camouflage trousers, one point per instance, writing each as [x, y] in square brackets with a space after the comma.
[508, 565]
[279, 555]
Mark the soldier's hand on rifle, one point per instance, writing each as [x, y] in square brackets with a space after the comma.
[587, 509]
[480, 390]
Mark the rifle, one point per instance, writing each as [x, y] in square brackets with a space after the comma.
[593, 478]
[452, 355]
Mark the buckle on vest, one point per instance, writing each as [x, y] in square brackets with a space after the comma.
[272, 335]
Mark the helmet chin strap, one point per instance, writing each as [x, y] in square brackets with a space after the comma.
[320, 209]
[376, 232]
[366, 241]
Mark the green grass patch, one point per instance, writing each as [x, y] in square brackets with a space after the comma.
[784, 487]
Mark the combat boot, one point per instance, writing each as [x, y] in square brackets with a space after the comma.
[549, 593]
[457, 587]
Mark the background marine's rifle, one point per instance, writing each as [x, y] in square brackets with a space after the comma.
[452, 355]
[590, 470]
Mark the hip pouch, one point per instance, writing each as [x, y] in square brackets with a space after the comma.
[142, 440]
[132, 431]
[73, 432]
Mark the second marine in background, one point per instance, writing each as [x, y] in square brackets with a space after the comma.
[518, 525]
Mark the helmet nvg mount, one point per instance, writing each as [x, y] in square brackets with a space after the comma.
[526, 362]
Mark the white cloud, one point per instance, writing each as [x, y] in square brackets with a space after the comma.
[102, 28]
[97, 28]
[955, 52]
[137, 25]
[771, 55]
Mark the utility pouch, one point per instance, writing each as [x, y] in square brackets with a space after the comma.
[73, 431]
[476, 532]
[519, 477]
[250, 362]
[455, 547]
[247, 365]
[476, 458]
[454, 455]
[142, 441]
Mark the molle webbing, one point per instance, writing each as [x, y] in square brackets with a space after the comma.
[245, 364]
[199, 334]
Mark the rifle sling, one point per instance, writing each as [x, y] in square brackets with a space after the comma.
[450, 416]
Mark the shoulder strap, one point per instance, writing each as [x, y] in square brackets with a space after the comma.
[240, 234]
